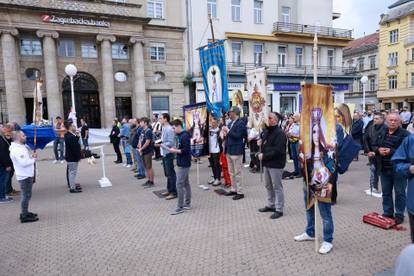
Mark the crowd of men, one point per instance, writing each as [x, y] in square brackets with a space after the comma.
[384, 137]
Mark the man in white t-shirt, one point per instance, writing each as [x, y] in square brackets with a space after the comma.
[215, 150]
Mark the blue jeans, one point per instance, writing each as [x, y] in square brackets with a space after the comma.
[128, 158]
[4, 178]
[85, 143]
[327, 221]
[294, 149]
[140, 165]
[169, 172]
[58, 148]
[389, 180]
[373, 178]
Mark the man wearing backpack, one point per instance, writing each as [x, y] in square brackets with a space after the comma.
[146, 150]
[403, 160]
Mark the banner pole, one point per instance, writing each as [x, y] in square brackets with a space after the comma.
[198, 175]
[315, 81]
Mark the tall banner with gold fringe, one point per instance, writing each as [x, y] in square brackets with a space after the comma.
[258, 111]
[318, 143]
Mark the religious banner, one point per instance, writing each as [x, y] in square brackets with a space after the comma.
[237, 100]
[318, 142]
[258, 111]
[213, 66]
[37, 103]
[196, 123]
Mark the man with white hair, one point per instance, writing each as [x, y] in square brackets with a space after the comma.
[389, 140]
[23, 163]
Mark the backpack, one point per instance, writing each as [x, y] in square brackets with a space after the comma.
[347, 153]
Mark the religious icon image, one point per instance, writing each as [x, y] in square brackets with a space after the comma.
[214, 84]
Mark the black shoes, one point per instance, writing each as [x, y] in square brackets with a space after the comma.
[148, 184]
[74, 191]
[29, 217]
[238, 196]
[399, 220]
[388, 216]
[139, 176]
[267, 209]
[276, 215]
[231, 193]
[117, 162]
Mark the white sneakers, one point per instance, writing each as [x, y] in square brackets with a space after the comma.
[211, 180]
[303, 237]
[325, 248]
[55, 161]
[61, 161]
[216, 182]
[375, 193]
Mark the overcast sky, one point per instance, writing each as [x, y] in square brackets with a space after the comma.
[361, 16]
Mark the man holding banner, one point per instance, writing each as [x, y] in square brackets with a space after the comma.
[234, 134]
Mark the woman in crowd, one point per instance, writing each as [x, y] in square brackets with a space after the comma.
[115, 140]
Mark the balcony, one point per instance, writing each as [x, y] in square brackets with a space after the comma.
[290, 69]
[299, 29]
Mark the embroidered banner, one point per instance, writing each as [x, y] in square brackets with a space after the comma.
[258, 110]
[213, 66]
[196, 123]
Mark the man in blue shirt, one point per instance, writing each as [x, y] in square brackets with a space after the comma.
[183, 152]
[146, 150]
[403, 160]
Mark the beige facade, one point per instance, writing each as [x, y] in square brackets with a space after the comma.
[100, 38]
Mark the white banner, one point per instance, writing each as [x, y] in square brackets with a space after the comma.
[257, 89]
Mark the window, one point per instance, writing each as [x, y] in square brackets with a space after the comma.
[372, 84]
[66, 48]
[155, 8]
[119, 51]
[394, 36]
[392, 82]
[299, 57]
[88, 49]
[412, 54]
[351, 63]
[361, 86]
[286, 15]
[236, 53]
[258, 18]
[372, 62]
[212, 8]
[160, 104]
[157, 51]
[361, 64]
[30, 47]
[393, 59]
[331, 58]
[282, 51]
[258, 53]
[235, 10]
[412, 79]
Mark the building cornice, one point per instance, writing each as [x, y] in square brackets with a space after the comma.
[165, 27]
[362, 50]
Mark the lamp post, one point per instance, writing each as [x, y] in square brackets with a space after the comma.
[71, 71]
[364, 80]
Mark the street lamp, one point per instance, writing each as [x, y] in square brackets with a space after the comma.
[364, 80]
[71, 71]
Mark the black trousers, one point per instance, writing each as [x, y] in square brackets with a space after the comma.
[411, 217]
[254, 161]
[334, 187]
[117, 151]
[215, 165]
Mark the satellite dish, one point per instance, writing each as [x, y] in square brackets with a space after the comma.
[120, 76]
[32, 73]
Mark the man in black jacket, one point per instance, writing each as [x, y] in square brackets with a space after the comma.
[373, 129]
[389, 140]
[6, 165]
[357, 130]
[273, 157]
[72, 156]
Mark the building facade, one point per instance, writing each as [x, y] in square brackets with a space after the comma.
[396, 52]
[361, 57]
[130, 58]
[275, 34]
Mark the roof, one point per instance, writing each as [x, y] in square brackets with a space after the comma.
[363, 42]
[399, 3]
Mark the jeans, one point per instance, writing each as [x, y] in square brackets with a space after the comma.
[4, 178]
[71, 171]
[58, 148]
[85, 143]
[128, 158]
[234, 163]
[26, 188]
[391, 180]
[373, 178]
[327, 221]
[140, 165]
[294, 149]
[183, 187]
[411, 216]
[274, 188]
[215, 165]
[169, 172]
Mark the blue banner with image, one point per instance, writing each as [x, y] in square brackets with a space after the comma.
[213, 66]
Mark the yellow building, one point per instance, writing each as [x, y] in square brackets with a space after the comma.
[396, 56]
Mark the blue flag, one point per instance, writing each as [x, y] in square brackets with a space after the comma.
[213, 66]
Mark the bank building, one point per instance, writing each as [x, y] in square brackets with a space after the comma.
[129, 55]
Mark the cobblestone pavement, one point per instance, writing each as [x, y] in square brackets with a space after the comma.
[127, 230]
